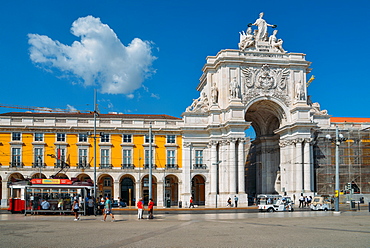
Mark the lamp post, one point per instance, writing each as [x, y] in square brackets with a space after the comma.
[339, 138]
[95, 113]
[217, 179]
[150, 161]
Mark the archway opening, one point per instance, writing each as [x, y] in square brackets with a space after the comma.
[105, 186]
[198, 190]
[263, 157]
[38, 176]
[128, 190]
[145, 187]
[171, 189]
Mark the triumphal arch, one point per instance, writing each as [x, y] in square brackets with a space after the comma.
[262, 85]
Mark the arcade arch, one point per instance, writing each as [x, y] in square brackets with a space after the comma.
[105, 184]
[198, 190]
[263, 159]
[171, 189]
[145, 188]
[38, 176]
[127, 191]
[83, 177]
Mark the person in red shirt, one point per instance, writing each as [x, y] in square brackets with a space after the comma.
[140, 209]
[191, 202]
[150, 208]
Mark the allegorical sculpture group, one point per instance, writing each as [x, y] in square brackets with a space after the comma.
[251, 40]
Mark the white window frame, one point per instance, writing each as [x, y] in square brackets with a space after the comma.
[171, 139]
[127, 138]
[146, 139]
[63, 152]
[38, 154]
[15, 135]
[171, 160]
[126, 157]
[105, 138]
[16, 157]
[83, 137]
[61, 137]
[105, 158]
[39, 137]
[199, 157]
[83, 157]
[146, 158]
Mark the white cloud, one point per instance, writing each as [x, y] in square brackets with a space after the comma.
[99, 58]
[155, 96]
[71, 108]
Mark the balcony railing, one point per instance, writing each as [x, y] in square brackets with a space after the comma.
[146, 166]
[83, 165]
[172, 166]
[127, 166]
[60, 164]
[199, 166]
[38, 165]
[105, 166]
[16, 164]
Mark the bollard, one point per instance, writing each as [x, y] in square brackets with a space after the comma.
[369, 206]
[358, 206]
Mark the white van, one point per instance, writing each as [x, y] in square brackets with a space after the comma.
[274, 203]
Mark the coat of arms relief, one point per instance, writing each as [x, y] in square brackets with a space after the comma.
[265, 81]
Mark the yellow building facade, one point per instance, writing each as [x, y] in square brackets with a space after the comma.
[45, 145]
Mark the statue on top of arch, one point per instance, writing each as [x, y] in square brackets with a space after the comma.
[251, 39]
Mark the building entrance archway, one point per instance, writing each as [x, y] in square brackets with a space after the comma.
[198, 190]
[128, 190]
[145, 187]
[171, 189]
[263, 159]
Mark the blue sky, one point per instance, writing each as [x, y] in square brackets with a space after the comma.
[169, 41]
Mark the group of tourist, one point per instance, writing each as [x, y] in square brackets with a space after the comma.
[141, 209]
[304, 201]
[229, 204]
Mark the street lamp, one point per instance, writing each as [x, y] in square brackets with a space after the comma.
[339, 138]
[217, 179]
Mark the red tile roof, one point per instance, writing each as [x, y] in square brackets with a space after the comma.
[349, 120]
[90, 115]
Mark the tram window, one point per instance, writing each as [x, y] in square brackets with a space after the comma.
[16, 193]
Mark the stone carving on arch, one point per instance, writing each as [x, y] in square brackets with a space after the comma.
[265, 81]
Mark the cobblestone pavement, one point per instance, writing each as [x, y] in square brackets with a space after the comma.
[296, 229]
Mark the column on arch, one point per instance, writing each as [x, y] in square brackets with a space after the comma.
[186, 167]
[116, 189]
[284, 167]
[241, 169]
[232, 166]
[223, 175]
[298, 166]
[4, 194]
[213, 169]
[307, 165]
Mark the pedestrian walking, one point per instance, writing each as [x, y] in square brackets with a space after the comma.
[108, 209]
[228, 202]
[191, 201]
[140, 209]
[76, 208]
[150, 208]
[236, 199]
